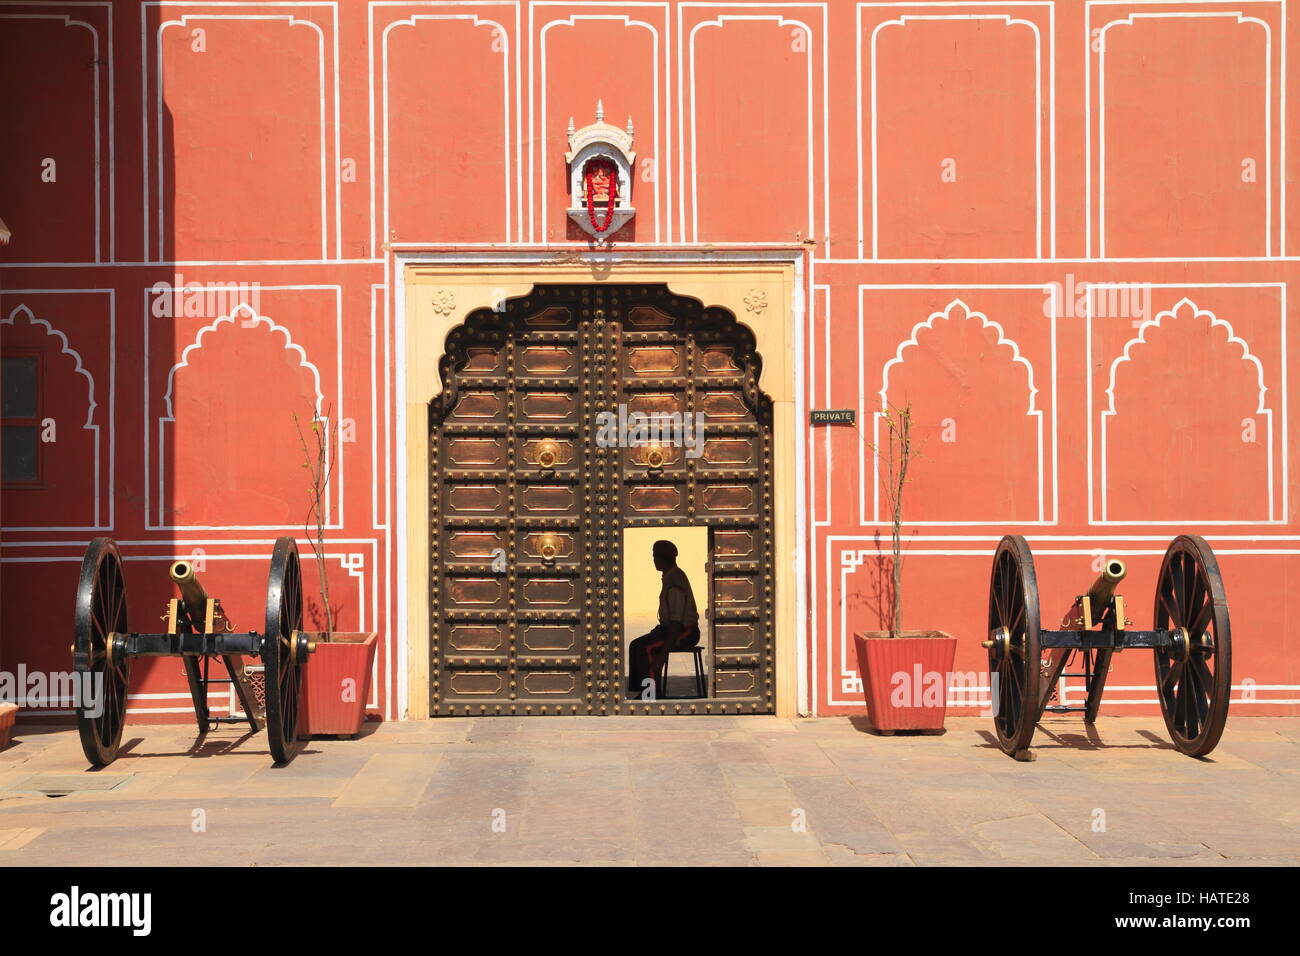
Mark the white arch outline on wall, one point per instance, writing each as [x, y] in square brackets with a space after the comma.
[293, 21]
[1126, 356]
[252, 320]
[476, 21]
[1101, 124]
[781, 21]
[572, 21]
[1009, 21]
[67, 350]
[91, 404]
[99, 184]
[1032, 411]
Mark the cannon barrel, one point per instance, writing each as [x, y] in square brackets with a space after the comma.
[1099, 595]
[1103, 589]
[193, 596]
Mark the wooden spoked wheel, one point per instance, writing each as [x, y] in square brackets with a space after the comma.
[1013, 644]
[284, 650]
[1193, 673]
[98, 652]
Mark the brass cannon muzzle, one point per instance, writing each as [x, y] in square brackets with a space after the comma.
[193, 597]
[1103, 589]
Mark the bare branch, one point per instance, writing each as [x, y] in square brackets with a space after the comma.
[897, 455]
[320, 466]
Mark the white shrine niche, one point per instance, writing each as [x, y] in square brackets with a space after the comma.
[600, 154]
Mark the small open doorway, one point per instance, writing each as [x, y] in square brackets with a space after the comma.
[688, 675]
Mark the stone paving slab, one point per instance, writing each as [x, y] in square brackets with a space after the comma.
[671, 791]
[389, 780]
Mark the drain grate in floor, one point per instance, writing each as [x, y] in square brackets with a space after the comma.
[62, 784]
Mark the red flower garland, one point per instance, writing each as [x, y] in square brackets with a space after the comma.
[588, 174]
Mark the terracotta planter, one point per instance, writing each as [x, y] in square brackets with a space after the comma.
[336, 684]
[905, 679]
[7, 714]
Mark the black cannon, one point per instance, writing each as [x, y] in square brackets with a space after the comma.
[1191, 640]
[197, 631]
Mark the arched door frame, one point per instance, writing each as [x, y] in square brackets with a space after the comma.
[435, 293]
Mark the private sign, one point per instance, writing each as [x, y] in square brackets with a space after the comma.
[833, 416]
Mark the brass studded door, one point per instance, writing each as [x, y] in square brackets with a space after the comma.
[529, 497]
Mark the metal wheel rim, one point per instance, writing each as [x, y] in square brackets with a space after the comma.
[101, 612]
[283, 672]
[1013, 604]
[1193, 688]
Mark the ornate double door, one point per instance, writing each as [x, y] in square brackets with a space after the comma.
[537, 467]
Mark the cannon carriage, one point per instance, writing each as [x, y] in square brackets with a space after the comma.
[197, 631]
[1191, 641]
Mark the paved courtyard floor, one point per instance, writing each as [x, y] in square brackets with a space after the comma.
[657, 790]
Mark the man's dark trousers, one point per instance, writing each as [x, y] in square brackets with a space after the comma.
[647, 654]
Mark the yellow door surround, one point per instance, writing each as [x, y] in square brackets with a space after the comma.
[437, 291]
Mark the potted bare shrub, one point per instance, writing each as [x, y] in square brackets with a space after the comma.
[905, 673]
[336, 680]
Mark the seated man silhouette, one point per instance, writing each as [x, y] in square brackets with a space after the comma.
[678, 628]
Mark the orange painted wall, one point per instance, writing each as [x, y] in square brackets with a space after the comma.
[957, 175]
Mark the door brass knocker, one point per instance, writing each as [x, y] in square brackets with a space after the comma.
[547, 454]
